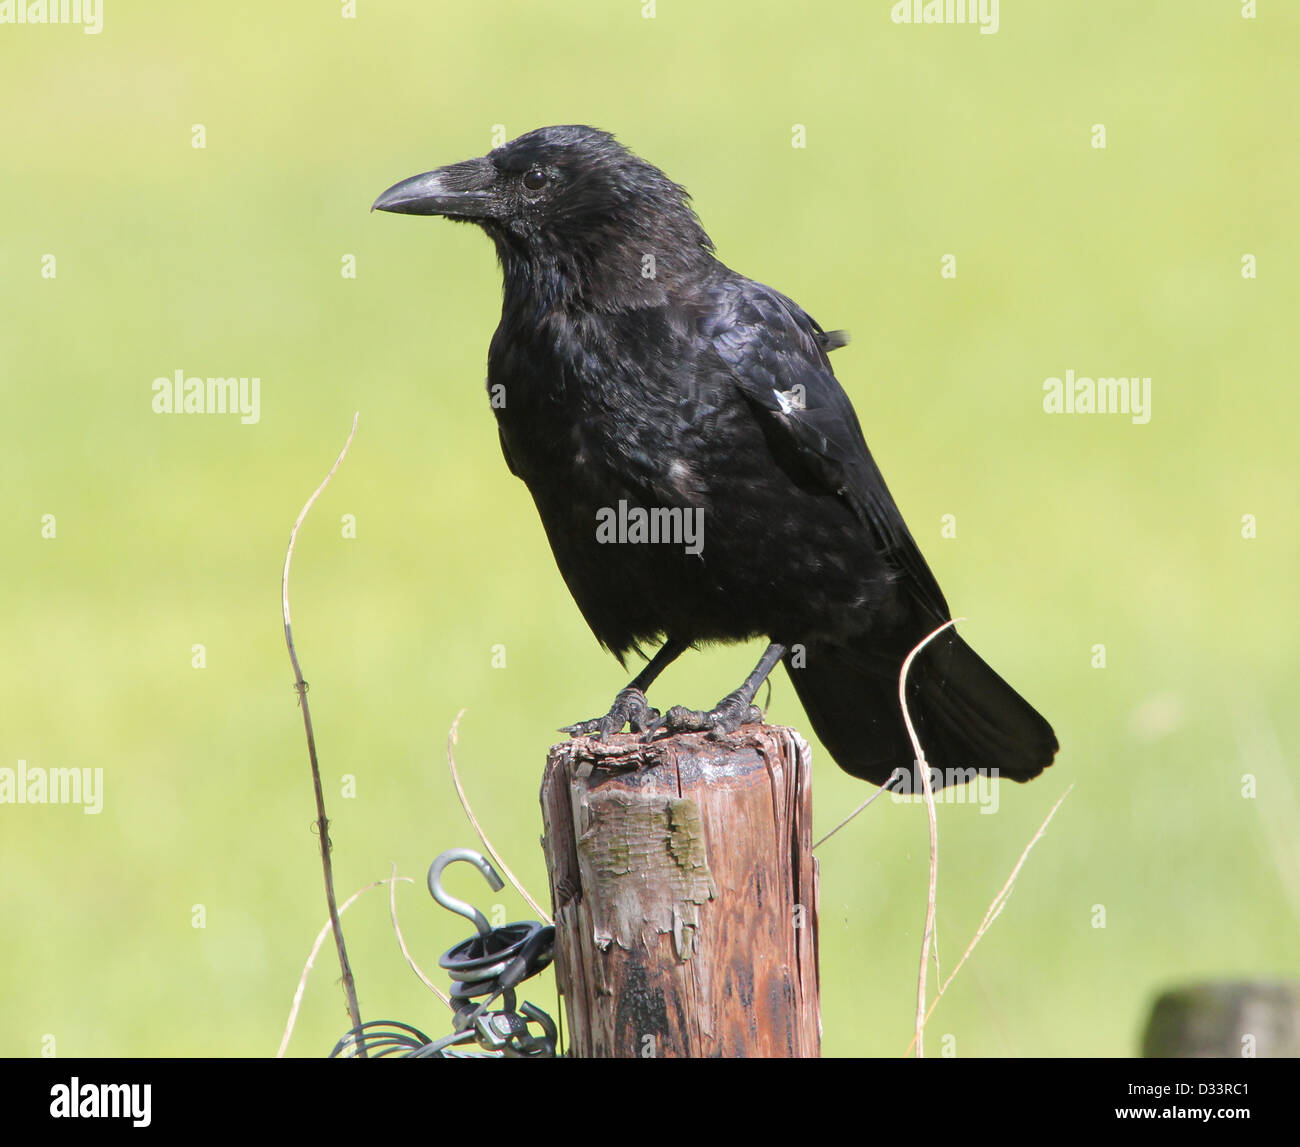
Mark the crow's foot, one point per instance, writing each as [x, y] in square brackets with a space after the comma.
[725, 717]
[630, 708]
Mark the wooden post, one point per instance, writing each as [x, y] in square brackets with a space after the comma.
[1225, 1020]
[685, 894]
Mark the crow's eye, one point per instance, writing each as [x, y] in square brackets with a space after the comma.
[535, 179]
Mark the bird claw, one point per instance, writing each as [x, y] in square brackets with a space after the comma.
[721, 721]
[630, 708]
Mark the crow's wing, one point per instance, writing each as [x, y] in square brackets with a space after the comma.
[775, 353]
[505, 452]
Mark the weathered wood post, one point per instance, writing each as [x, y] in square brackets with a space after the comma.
[685, 894]
[1225, 1019]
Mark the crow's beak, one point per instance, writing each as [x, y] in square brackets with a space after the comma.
[462, 191]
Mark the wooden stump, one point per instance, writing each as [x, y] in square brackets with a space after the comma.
[1225, 1020]
[685, 894]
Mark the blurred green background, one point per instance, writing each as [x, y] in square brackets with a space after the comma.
[1072, 531]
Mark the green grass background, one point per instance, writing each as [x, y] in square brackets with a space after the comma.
[1072, 531]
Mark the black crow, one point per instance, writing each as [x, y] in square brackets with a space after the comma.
[699, 471]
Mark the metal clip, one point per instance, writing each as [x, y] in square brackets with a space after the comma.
[486, 968]
[450, 902]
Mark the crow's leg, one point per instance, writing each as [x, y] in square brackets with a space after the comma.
[734, 710]
[630, 706]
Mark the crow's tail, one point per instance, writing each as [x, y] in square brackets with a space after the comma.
[966, 717]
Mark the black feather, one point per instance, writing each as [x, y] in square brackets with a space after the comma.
[632, 369]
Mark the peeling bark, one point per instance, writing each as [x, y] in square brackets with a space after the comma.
[685, 894]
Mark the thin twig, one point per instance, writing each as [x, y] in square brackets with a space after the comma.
[452, 739]
[401, 940]
[928, 789]
[994, 910]
[880, 791]
[322, 821]
[311, 960]
[1279, 813]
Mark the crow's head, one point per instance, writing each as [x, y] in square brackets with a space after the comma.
[571, 211]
